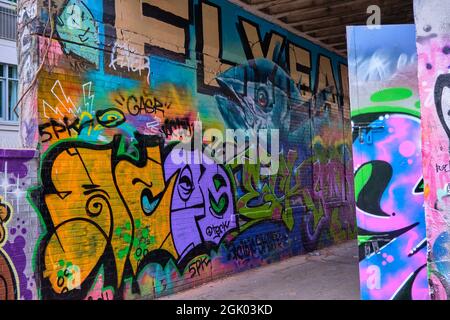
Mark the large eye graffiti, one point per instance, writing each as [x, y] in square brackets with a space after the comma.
[110, 118]
[262, 97]
[219, 207]
[186, 184]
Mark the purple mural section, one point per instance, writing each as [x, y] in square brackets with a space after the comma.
[14, 162]
[202, 210]
[17, 169]
[387, 155]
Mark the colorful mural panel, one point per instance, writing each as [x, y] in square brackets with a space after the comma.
[389, 188]
[433, 47]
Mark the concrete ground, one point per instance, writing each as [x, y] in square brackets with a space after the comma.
[327, 274]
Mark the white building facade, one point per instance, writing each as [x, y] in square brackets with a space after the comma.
[9, 124]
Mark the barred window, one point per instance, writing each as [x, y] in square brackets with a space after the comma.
[8, 21]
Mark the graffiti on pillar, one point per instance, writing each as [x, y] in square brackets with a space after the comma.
[433, 48]
[388, 163]
[8, 282]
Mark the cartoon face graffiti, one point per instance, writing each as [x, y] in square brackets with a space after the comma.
[76, 25]
[202, 209]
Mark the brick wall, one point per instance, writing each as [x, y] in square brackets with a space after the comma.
[125, 89]
[19, 224]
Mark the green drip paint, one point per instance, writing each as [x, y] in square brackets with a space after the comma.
[391, 94]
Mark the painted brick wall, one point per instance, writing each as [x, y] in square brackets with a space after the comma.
[121, 86]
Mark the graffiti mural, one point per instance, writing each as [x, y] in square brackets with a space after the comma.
[433, 47]
[388, 163]
[18, 225]
[120, 101]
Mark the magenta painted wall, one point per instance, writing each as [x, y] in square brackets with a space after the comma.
[433, 47]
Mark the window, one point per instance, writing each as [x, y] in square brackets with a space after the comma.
[8, 21]
[9, 86]
[13, 2]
